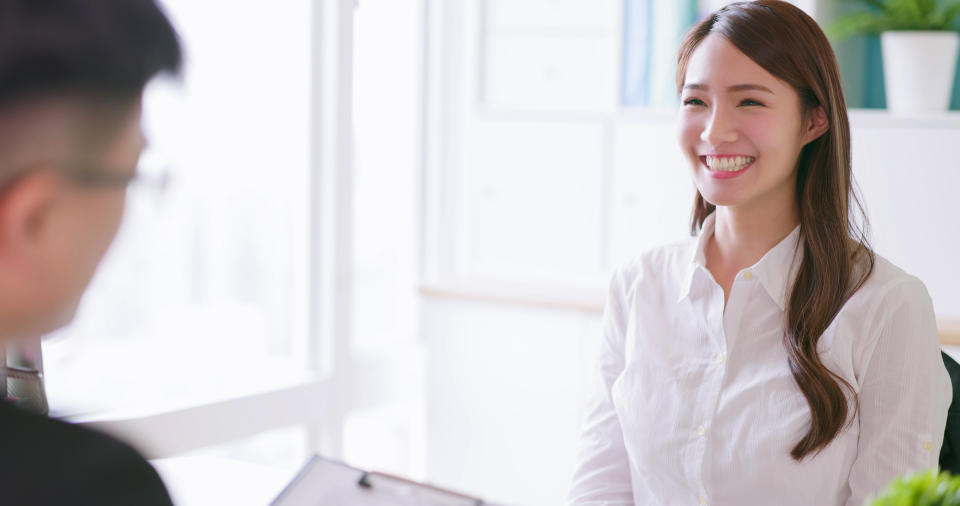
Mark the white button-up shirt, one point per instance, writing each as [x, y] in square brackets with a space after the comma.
[695, 403]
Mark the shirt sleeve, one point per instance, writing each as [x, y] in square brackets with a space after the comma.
[904, 396]
[602, 475]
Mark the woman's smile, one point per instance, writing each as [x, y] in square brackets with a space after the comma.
[726, 166]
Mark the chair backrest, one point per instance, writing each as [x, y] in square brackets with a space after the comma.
[950, 451]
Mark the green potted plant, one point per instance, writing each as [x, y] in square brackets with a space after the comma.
[919, 42]
[930, 488]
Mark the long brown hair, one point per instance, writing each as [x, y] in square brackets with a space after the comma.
[837, 259]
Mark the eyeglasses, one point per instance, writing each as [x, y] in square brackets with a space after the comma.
[148, 185]
[155, 181]
[145, 189]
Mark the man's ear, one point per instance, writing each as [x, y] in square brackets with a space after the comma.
[817, 124]
[25, 210]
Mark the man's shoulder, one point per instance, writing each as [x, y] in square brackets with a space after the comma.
[48, 461]
[30, 436]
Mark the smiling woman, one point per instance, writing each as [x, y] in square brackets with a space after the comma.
[775, 357]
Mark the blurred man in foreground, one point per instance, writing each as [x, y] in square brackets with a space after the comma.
[72, 74]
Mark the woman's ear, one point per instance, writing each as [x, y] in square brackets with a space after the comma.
[817, 124]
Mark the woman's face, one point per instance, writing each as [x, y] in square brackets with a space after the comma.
[741, 129]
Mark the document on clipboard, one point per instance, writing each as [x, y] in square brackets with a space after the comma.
[327, 482]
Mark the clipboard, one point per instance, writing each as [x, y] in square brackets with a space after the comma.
[328, 482]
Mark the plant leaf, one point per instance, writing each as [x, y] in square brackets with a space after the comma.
[853, 24]
[930, 488]
[949, 15]
[925, 7]
[886, 15]
[905, 13]
[877, 4]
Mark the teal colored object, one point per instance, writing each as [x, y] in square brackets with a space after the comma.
[874, 93]
[652, 33]
[955, 97]
[636, 53]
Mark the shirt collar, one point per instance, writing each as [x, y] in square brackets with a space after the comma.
[775, 271]
[778, 268]
[698, 257]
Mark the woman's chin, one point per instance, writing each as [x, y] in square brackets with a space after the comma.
[721, 199]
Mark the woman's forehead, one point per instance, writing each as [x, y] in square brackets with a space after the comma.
[716, 64]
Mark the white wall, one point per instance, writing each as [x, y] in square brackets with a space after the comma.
[506, 386]
[909, 174]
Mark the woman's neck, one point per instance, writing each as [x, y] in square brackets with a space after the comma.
[741, 238]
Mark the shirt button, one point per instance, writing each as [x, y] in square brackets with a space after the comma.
[701, 430]
[703, 499]
[928, 446]
[748, 275]
[720, 358]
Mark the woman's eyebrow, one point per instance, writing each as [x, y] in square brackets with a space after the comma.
[735, 87]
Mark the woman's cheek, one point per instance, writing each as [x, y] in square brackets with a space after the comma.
[760, 130]
[688, 137]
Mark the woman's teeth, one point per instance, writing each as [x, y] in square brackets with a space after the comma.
[729, 163]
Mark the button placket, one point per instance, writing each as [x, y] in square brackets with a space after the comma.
[710, 309]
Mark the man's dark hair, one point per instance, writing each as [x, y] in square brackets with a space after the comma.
[110, 48]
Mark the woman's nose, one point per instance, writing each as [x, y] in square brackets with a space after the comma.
[719, 129]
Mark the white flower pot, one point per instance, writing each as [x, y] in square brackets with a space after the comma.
[918, 68]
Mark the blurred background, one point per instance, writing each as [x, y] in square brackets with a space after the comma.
[387, 227]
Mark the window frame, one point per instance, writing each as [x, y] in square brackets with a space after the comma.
[318, 397]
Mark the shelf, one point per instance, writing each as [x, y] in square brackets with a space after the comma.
[881, 118]
[580, 297]
[583, 297]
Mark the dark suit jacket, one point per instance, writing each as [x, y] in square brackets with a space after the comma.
[49, 462]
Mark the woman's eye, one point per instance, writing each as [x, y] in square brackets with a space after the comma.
[693, 101]
[750, 101]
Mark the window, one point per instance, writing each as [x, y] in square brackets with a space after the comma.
[204, 296]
